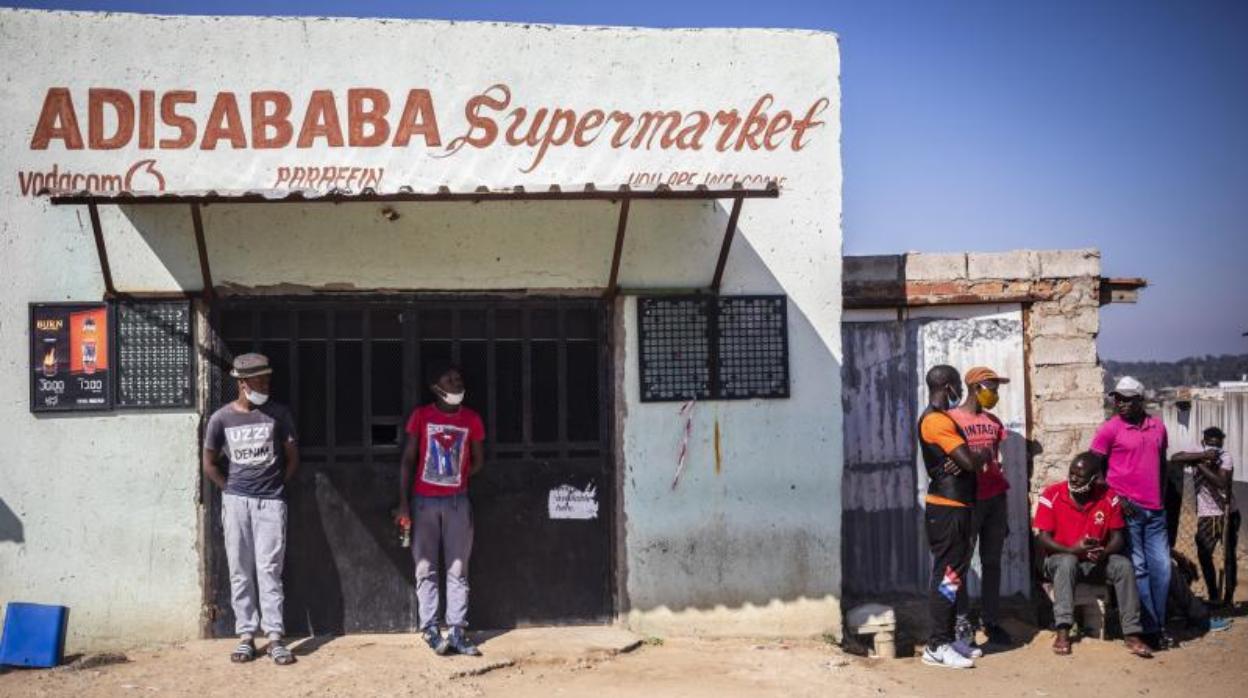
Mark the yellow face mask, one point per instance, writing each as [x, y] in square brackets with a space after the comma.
[986, 397]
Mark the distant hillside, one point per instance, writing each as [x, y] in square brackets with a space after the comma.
[1192, 371]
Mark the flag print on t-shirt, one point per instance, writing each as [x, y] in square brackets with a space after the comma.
[444, 455]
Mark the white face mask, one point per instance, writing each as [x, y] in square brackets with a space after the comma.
[1080, 490]
[452, 399]
[255, 398]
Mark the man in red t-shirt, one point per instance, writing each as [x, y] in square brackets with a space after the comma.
[990, 521]
[1080, 527]
[433, 494]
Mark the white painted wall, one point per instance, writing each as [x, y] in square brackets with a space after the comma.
[106, 502]
[755, 548]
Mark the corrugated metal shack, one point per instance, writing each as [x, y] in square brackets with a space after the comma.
[1030, 315]
[1225, 408]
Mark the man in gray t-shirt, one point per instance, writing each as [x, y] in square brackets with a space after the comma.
[251, 442]
[256, 440]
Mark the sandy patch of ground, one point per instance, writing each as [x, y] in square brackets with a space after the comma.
[608, 663]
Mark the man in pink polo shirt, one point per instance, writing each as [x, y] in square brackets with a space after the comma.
[1133, 444]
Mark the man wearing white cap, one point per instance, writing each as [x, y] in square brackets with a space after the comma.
[1133, 444]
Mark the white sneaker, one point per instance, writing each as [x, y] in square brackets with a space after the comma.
[946, 656]
[967, 649]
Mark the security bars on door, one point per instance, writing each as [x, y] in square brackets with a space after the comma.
[353, 370]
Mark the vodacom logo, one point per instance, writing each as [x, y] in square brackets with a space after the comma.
[144, 176]
[140, 176]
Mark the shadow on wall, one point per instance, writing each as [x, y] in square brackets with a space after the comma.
[168, 231]
[11, 529]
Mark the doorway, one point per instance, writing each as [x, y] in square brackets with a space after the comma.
[537, 370]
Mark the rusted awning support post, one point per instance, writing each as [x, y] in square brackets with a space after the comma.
[723, 250]
[613, 283]
[98, 232]
[198, 221]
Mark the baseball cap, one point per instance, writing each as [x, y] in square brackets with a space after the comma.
[250, 365]
[1128, 387]
[983, 374]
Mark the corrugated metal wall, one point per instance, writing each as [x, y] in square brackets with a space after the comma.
[1229, 413]
[880, 532]
[885, 360]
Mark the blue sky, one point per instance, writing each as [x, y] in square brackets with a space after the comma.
[999, 125]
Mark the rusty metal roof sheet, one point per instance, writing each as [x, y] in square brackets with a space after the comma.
[402, 194]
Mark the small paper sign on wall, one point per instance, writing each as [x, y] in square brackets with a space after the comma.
[568, 502]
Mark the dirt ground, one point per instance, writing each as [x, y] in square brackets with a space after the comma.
[606, 663]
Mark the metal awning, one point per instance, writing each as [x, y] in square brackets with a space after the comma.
[623, 194]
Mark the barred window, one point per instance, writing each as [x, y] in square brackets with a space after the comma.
[713, 347]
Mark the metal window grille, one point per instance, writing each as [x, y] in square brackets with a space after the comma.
[716, 348]
[155, 353]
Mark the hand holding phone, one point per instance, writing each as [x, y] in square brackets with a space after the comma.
[1091, 547]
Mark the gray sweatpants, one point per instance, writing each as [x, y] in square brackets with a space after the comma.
[255, 548]
[444, 521]
[1065, 570]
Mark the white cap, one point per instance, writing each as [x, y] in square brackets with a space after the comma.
[1128, 387]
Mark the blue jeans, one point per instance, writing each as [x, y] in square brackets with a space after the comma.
[1150, 556]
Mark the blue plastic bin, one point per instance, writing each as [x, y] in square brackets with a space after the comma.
[34, 635]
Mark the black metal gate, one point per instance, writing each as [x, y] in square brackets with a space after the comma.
[537, 372]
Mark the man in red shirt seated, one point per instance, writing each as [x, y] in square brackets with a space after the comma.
[1079, 524]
